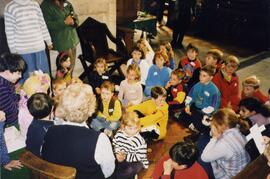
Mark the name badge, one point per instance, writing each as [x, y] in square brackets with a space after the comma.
[65, 4]
[105, 77]
[155, 73]
[175, 89]
[206, 93]
[192, 63]
[110, 110]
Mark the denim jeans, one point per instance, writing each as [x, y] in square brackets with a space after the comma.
[35, 61]
[101, 123]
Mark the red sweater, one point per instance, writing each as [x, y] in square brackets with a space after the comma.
[229, 90]
[189, 66]
[258, 95]
[195, 171]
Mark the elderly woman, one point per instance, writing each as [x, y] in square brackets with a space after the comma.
[73, 143]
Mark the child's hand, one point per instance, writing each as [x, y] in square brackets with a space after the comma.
[121, 156]
[187, 110]
[2, 116]
[167, 167]
[214, 131]
[13, 164]
[168, 85]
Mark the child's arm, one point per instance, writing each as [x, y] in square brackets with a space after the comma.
[117, 112]
[155, 117]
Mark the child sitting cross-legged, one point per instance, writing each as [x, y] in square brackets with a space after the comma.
[203, 99]
[109, 110]
[153, 115]
[40, 107]
[129, 147]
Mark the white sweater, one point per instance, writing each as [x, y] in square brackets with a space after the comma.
[25, 27]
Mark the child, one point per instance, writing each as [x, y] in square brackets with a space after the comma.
[158, 74]
[63, 67]
[175, 91]
[181, 163]
[129, 147]
[40, 106]
[251, 88]
[11, 68]
[138, 58]
[130, 92]
[166, 48]
[226, 150]
[213, 57]
[202, 100]
[149, 53]
[228, 83]
[37, 82]
[26, 32]
[153, 115]
[190, 62]
[254, 111]
[58, 87]
[4, 158]
[109, 110]
[99, 75]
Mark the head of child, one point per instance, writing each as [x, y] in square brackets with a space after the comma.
[40, 105]
[78, 104]
[231, 64]
[100, 66]
[133, 73]
[225, 119]
[176, 77]
[158, 95]
[130, 123]
[141, 44]
[37, 82]
[107, 91]
[58, 87]
[159, 59]
[213, 57]
[192, 52]
[137, 54]
[11, 67]
[206, 74]
[63, 61]
[183, 155]
[250, 85]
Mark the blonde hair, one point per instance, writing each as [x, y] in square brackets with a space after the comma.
[136, 69]
[216, 54]
[58, 82]
[37, 82]
[159, 54]
[141, 44]
[130, 119]
[232, 59]
[101, 60]
[227, 118]
[78, 103]
[169, 49]
[108, 85]
[252, 81]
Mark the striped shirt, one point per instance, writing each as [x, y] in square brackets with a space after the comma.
[227, 154]
[9, 101]
[135, 147]
[25, 27]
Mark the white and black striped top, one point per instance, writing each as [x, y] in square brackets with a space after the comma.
[25, 27]
[135, 147]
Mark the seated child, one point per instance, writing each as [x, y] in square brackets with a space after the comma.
[99, 75]
[149, 53]
[213, 57]
[11, 68]
[153, 115]
[181, 163]
[251, 88]
[203, 99]
[226, 150]
[4, 158]
[175, 91]
[130, 91]
[40, 106]
[227, 82]
[167, 49]
[254, 111]
[36, 82]
[129, 147]
[190, 62]
[109, 110]
[138, 58]
[63, 67]
[158, 74]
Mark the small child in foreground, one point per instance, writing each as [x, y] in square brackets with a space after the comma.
[129, 147]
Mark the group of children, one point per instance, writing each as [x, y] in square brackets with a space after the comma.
[137, 112]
